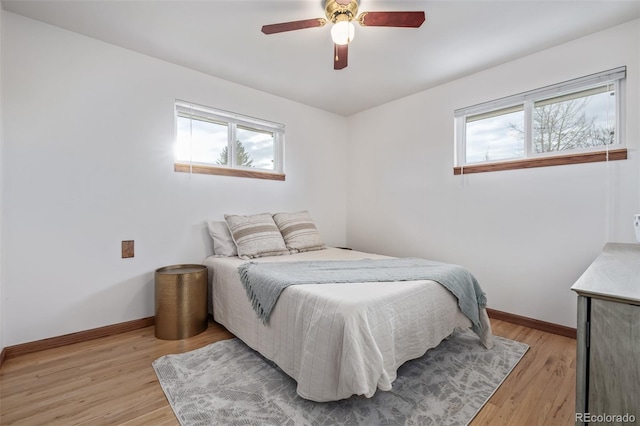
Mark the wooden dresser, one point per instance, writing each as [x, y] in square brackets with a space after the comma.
[608, 340]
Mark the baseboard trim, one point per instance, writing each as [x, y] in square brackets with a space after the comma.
[549, 327]
[123, 327]
[68, 339]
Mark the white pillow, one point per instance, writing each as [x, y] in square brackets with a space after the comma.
[256, 235]
[223, 244]
[299, 232]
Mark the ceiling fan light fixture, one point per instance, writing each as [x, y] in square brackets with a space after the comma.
[343, 32]
[343, 13]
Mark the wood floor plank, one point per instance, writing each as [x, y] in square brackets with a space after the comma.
[541, 389]
[161, 417]
[110, 381]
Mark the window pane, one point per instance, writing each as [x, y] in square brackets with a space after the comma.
[578, 120]
[201, 141]
[495, 136]
[255, 148]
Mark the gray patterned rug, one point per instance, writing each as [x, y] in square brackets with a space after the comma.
[227, 383]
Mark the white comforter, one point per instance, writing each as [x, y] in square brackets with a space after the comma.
[337, 340]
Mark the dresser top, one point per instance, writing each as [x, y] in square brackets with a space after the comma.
[615, 274]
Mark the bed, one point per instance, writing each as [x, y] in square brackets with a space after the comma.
[342, 339]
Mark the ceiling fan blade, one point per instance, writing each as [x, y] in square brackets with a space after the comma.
[341, 53]
[293, 25]
[391, 19]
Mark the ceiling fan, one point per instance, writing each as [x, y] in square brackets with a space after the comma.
[342, 13]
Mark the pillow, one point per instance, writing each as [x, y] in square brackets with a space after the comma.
[223, 244]
[299, 232]
[256, 235]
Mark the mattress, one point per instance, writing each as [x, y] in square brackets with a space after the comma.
[339, 340]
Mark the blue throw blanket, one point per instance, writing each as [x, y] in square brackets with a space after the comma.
[265, 281]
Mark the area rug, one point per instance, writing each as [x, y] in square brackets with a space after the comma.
[227, 383]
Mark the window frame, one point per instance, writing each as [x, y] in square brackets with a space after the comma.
[232, 120]
[527, 100]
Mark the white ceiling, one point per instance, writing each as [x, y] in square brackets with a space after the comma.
[223, 39]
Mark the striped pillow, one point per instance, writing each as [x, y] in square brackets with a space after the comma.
[256, 235]
[299, 232]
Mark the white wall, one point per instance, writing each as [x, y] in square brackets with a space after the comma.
[1, 192]
[526, 234]
[88, 162]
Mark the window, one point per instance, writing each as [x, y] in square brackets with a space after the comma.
[576, 121]
[218, 142]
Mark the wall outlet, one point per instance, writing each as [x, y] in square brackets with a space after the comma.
[127, 249]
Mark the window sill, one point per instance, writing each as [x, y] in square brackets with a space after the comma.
[591, 157]
[221, 171]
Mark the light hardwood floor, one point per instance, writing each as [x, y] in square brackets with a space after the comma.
[111, 381]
